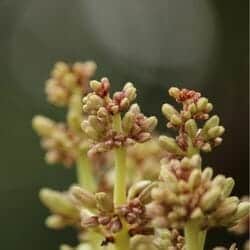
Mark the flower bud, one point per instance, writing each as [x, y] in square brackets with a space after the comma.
[104, 202]
[212, 122]
[174, 92]
[191, 128]
[136, 189]
[55, 222]
[242, 210]
[210, 199]
[57, 202]
[43, 125]
[202, 103]
[228, 187]
[169, 144]
[168, 110]
[82, 197]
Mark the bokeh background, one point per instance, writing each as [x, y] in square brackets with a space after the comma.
[201, 44]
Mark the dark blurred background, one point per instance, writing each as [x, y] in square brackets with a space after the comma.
[201, 44]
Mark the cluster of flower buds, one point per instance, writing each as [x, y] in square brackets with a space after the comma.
[101, 110]
[65, 79]
[185, 193]
[64, 212]
[97, 210]
[242, 227]
[168, 239]
[60, 142]
[191, 139]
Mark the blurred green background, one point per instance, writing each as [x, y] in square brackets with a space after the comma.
[201, 44]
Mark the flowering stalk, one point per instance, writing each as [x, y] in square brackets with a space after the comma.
[194, 236]
[122, 237]
[84, 172]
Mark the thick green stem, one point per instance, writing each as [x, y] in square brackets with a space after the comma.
[122, 237]
[194, 237]
[85, 172]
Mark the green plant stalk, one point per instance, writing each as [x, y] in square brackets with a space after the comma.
[85, 172]
[122, 237]
[194, 236]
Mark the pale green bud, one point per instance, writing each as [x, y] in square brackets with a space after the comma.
[150, 123]
[57, 202]
[104, 202]
[194, 179]
[215, 131]
[168, 110]
[191, 128]
[145, 195]
[168, 176]
[95, 85]
[43, 125]
[209, 107]
[242, 210]
[176, 120]
[55, 222]
[207, 174]
[136, 189]
[202, 103]
[206, 147]
[128, 121]
[219, 180]
[212, 122]
[174, 92]
[170, 144]
[197, 214]
[130, 91]
[227, 208]
[228, 187]
[82, 197]
[195, 161]
[66, 247]
[210, 199]
[192, 108]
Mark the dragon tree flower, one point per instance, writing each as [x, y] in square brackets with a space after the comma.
[58, 140]
[98, 211]
[65, 79]
[64, 212]
[191, 139]
[186, 192]
[101, 109]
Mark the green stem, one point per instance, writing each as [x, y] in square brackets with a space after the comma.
[85, 172]
[194, 237]
[122, 237]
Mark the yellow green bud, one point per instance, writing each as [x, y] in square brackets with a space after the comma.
[191, 128]
[57, 202]
[104, 202]
[169, 144]
[168, 110]
[210, 199]
[43, 125]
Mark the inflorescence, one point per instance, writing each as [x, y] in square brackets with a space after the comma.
[135, 190]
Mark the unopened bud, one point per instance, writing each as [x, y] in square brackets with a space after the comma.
[43, 125]
[82, 197]
[210, 199]
[202, 103]
[104, 202]
[169, 144]
[168, 110]
[174, 92]
[191, 128]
